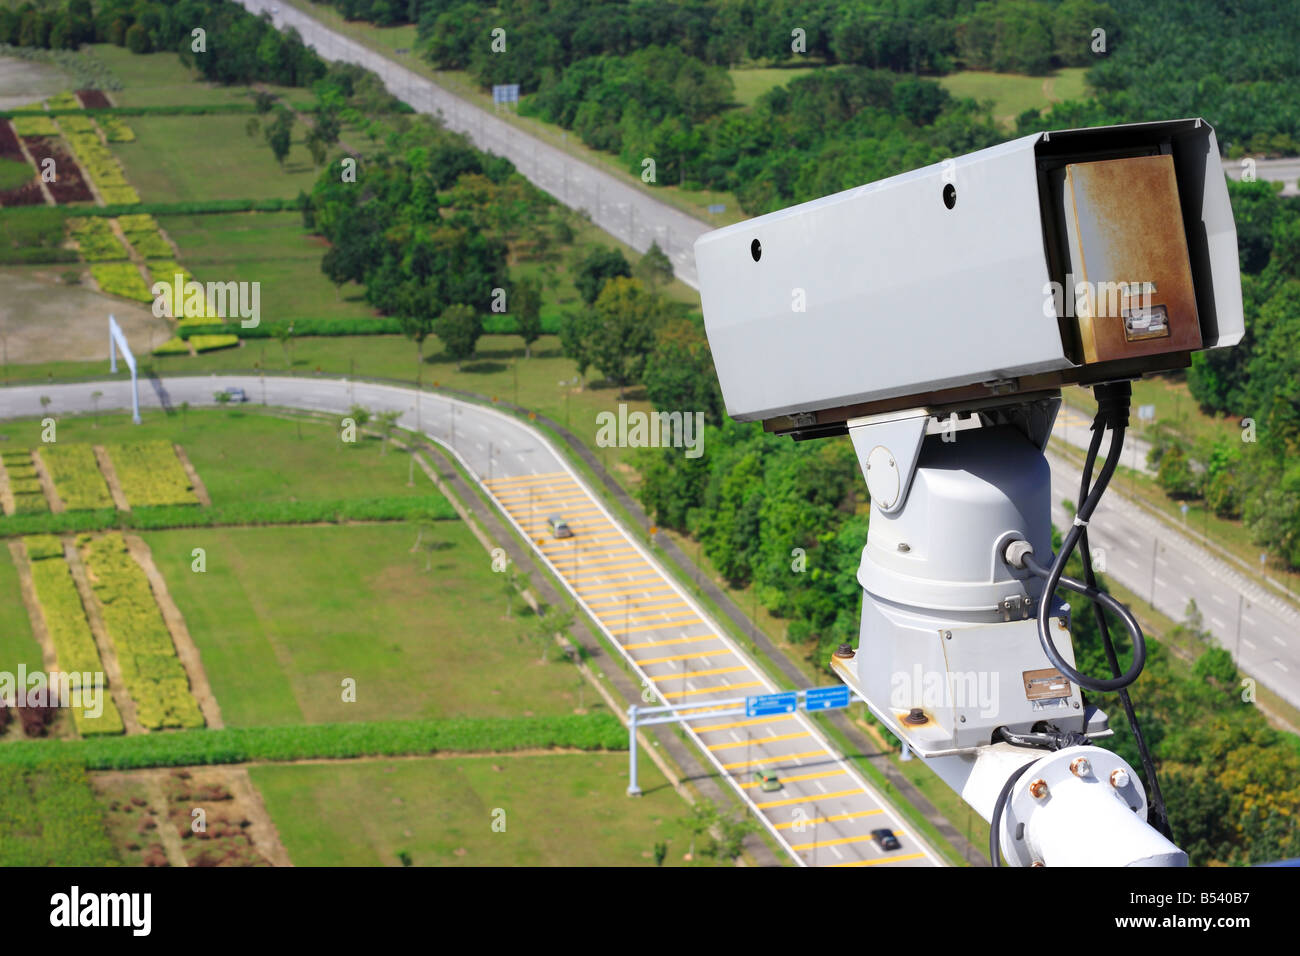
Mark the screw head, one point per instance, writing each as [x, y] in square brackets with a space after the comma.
[1081, 767]
[947, 635]
[1119, 779]
[904, 546]
[1038, 789]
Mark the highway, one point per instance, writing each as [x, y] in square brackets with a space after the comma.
[620, 209]
[824, 812]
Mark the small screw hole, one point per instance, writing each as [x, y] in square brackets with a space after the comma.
[950, 195]
[756, 250]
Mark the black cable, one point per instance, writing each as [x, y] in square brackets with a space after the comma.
[995, 841]
[1112, 411]
[1157, 816]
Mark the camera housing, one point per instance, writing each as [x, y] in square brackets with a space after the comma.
[1068, 257]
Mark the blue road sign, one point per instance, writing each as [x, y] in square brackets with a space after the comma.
[826, 698]
[764, 705]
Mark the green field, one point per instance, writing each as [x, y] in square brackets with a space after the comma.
[753, 82]
[283, 615]
[560, 810]
[17, 643]
[270, 248]
[1013, 93]
[202, 158]
[160, 79]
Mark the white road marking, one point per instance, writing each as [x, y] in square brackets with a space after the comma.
[1219, 599]
[1248, 643]
[1281, 665]
[1218, 623]
[1277, 640]
[1188, 579]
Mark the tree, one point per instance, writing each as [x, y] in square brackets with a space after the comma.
[596, 269]
[279, 135]
[526, 304]
[459, 328]
[360, 414]
[316, 146]
[1175, 474]
[417, 324]
[624, 319]
[655, 268]
[386, 422]
[95, 396]
[284, 335]
[546, 625]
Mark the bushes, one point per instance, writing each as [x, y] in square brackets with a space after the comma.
[141, 231]
[151, 474]
[393, 508]
[121, 278]
[326, 741]
[49, 816]
[35, 125]
[96, 240]
[173, 346]
[153, 675]
[76, 476]
[210, 343]
[116, 131]
[302, 328]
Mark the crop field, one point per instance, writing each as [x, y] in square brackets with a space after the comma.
[76, 475]
[17, 644]
[151, 474]
[50, 816]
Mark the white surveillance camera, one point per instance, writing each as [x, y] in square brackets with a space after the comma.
[1075, 256]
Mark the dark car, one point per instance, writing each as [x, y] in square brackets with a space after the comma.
[236, 395]
[885, 839]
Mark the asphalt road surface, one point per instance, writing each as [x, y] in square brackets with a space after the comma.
[623, 211]
[824, 812]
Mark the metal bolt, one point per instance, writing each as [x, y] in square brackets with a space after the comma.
[1038, 789]
[1038, 863]
[962, 719]
[1076, 705]
[844, 650]
[1081, 767]
[904, 546]
[1119, 779]
[916, 716]
[947, 635]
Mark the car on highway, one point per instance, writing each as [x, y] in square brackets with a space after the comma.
[885, 839]
[559, 527]
[236, 395]
[767, 781]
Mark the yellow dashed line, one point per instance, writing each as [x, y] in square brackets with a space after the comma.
[804, 776]
[594, 589]
[517, 496]
[840, 842]
[743, 723]
[808, 799]
[609, 564]
[768, 761]
[671, 640]
[682, 657]
[638, 615]
[510, 481]
[685, 622]
[684, 675]
[647, 602]
[883, 859]
[761, 740]
[839, 816]
[711, 690]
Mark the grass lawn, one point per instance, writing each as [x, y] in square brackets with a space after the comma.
[160, 79]
[17, 644]
[752, 83]
[245, 453]
[271, 248]
[283, 615]
[201, 158]
[560, 810]
[1013, 93]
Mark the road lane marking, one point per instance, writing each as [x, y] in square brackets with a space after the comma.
[663, 625]
[711, 690]
[683, 657]
[803, 776]
[673, 640]
[769, 761]
[492, 483]
[762, 740]
[716, 670]
[742, 723]
[808, 799]
[1277, 640]
[841, 841]
[880, 860]
[638, 589]
[832, 819]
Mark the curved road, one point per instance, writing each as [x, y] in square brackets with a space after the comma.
[825, 811]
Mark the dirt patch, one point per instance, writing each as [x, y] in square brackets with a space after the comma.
[110, 478]
[200, 489]
[6, 493]
[47, 483]
[24, 83]
[46, 319]
[185, 647]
